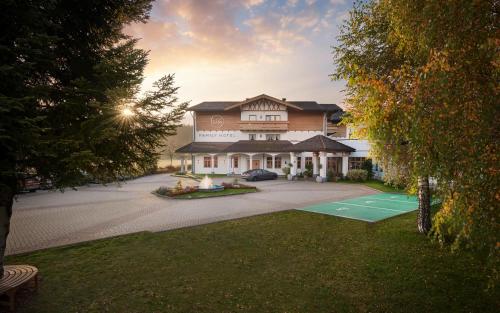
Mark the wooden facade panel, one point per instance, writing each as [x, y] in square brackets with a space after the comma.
[207, 121]
[312, 121]
[258, 125]
[336, 130]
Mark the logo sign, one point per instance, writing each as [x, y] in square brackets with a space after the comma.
[217, 121]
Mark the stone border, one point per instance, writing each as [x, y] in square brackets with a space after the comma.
[217, 196]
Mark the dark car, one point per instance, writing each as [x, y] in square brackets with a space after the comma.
[259, 174]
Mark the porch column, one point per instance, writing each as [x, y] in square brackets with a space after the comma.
[293, 161]
[193, 162]
[345, 165]
[302, 163]
[183, 169]
[322, 161]
[212, 163]
[315, 164]
[250, 165]
[229, 163]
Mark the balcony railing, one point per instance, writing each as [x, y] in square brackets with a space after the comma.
[264, 125]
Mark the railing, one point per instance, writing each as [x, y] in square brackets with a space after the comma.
[264, 125]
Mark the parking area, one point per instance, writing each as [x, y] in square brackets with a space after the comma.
[52, 218]
[372, 208]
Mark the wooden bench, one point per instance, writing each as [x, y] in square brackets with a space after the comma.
[14, 278]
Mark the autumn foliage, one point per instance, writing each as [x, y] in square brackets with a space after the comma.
[423, 87]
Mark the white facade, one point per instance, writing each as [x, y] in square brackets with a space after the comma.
[265, 109]
[233, 136]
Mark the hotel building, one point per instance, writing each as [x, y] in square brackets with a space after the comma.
[269, 133]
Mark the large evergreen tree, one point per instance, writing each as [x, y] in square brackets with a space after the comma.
[423, 86]
[68, 84]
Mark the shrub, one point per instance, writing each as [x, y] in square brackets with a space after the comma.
[330, 176]
[357, 175]
[368, 167]
[308, 172]
[164, 191]
[286, 170]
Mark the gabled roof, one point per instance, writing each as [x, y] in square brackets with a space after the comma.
[306, 106]
[260, 146]
[321, 143]
[204, 147]
[211, 106]
[262, 96]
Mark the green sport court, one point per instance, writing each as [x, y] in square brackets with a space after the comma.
[372, 208]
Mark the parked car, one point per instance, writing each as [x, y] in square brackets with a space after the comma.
[28, 183]
[258, 174]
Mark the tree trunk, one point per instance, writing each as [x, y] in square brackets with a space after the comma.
[6, 201]
[424, 205]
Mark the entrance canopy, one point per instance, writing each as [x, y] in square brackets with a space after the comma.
[320, 143]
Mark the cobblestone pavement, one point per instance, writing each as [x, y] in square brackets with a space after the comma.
[53, 218]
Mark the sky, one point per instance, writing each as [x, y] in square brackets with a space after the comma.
[230, 50]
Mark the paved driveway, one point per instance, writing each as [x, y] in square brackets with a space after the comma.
[51, 218]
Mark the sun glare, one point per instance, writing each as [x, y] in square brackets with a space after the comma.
[127, 112]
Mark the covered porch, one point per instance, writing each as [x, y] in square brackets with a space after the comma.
[322, 154]
[318, 155]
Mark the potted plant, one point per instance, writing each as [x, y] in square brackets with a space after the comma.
[286, 170]
[308, 172]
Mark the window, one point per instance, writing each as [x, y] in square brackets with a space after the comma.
[235, 162]
[356, 163]
[299, 162]
[277, 162]
[252, 117]
[273, 118]
[252, 136]
[269, 162]
[309, 161]
[216, 161]
[272, 137]
[207, 162]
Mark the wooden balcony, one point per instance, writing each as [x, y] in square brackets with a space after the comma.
[264, 125]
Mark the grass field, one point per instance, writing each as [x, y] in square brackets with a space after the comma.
[375, 184]
[284, 262]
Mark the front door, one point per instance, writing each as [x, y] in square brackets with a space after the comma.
[334, 165]
[255, 164]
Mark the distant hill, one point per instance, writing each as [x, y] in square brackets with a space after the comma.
[183, 137]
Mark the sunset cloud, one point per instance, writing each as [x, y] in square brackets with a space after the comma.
[182, 35]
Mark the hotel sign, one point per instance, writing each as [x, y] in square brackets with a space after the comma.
[217, 134]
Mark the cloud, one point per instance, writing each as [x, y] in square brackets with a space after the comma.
[232, 49]
[228, 31]
[183, 30]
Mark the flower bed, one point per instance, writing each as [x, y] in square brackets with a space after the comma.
[192, 192]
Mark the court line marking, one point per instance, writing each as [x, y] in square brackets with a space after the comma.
[367, 206]
[338, 215]
[391, 200]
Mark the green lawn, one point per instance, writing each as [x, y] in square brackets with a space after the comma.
[284, 262]
[375, 184]
[207, 194]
